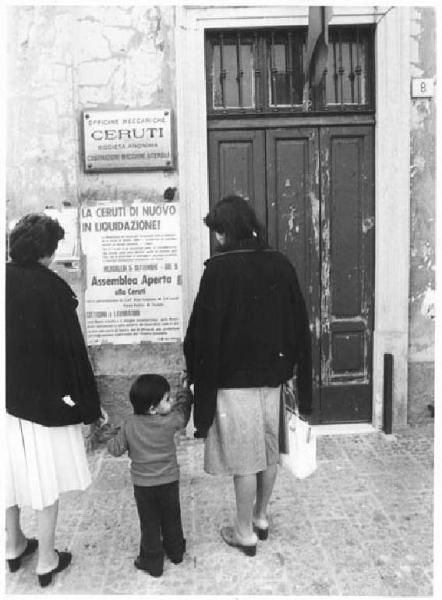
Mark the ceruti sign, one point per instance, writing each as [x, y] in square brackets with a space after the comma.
[127, 139]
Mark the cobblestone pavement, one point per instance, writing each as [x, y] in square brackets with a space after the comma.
[361, 525]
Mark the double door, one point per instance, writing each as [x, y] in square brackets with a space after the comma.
[313, 188]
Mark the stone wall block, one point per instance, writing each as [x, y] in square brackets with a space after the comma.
[114, 393]
[138, 358]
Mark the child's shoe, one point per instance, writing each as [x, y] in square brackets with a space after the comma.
[176, 555]
[152, 566]
[176, 558]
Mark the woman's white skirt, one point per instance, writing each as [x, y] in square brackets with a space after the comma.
[42, 462]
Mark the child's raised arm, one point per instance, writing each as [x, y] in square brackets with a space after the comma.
[117, 445]
[182, 406]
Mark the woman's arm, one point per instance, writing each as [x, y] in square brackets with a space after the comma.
[71, 350]
[202, 345]
[182, 408]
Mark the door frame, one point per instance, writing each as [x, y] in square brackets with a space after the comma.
[392, 161]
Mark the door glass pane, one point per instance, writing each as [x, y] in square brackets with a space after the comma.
[347, 68]
[248, 78]
[233, 74]
[280, 77]
[285, 71]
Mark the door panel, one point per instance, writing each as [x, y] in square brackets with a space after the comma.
[237, 166]
[313, 189]
[291, 195]
[347, 230]
[293, 216]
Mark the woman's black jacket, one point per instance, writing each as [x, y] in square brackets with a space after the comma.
[249, 327]
[46, 356]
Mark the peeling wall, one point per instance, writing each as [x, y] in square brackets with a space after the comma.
[422, 226]
[62, 60]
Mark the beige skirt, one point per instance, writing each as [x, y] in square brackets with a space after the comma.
[42, 462]
[243, 438]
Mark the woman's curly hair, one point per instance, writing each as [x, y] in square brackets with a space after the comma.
[35, 236]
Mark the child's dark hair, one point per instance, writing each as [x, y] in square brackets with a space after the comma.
[235, 217]
[146, 391]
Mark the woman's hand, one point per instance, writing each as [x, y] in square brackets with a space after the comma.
[184, 382]
[104, 420]
[100, 431]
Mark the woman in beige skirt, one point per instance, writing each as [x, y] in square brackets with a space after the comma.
[248, 330]
[50, 391]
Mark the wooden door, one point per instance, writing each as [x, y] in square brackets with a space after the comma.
[347, 272]
[293, 224]
[313, 189]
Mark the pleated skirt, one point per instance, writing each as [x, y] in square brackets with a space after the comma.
[244, 436]
[43, 462]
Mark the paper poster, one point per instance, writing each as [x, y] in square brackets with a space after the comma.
[67, 250]
[133, 272]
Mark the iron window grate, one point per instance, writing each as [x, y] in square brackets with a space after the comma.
[251, 72]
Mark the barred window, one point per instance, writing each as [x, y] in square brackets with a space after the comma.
[263, 71]
[348, 67]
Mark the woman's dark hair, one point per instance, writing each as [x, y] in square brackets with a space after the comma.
[35, 236]
[147, 391]
[235, 218]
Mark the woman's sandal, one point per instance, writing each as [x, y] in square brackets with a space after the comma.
[228, 535]
[15, 563]
[64, 560]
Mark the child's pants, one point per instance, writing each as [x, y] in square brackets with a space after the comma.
[161, 530]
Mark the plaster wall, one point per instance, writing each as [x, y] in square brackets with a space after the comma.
[422, 218]
[62, 60]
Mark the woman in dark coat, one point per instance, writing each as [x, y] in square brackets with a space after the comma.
[248, 331]
[50, 391]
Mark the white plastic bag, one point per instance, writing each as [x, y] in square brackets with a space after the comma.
[301, 457]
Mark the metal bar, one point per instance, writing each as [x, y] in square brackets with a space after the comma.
[210, 88]
[239, 72]
[299, 66]
[257, 70]
[222, 72]
[289, 62]
[358, 67]
[341, 69]
[388, 393]
[335, 73]
[351, 75]
[273, 70]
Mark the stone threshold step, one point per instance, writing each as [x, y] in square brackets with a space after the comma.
[344, 429]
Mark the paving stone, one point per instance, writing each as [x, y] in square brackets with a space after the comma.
[99, 511]
[405, 582]
[328, 448]
[360, 525]
[317, 582]
[361, 582]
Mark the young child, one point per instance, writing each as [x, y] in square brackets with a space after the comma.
[148, 436]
